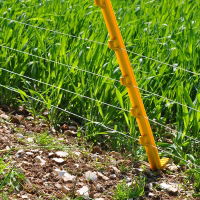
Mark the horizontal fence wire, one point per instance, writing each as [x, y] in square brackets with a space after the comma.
[92, 99]
[59, 63]
[71, 113]
[178, 157]
[100, 124]
[174, 66]
[98, 75]
[68, 91]
[171, 129]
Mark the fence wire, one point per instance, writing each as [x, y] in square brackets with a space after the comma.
[98, 75]
[110, 130]
[174, 66]
[92, 99]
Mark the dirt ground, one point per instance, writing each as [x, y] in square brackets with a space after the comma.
[61, 165]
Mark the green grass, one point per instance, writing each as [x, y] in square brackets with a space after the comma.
[10, 178]
[124, 192]
[165, 31]
[47, 141]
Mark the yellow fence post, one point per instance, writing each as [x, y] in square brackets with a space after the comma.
[128, 80]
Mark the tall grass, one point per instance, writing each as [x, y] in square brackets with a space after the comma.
[165, 31]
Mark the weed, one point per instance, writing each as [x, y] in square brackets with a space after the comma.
[194, 177]
[10, 177]
[45, 140]
[135, 190]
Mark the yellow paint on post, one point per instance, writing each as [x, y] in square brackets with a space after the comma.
[128, 80]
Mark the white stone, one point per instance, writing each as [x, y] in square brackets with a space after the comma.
[30, 118]
[19, 153]
[105, 178]
[19, 135]
[68, 177]
[84, 191]
[117, 171]
[171, 188]
[35, 150]
[4, 116]
[24, 196]
[41, 161]
[65, 189]
[172, 167]
[59, 172]
[57, 185]
[151, 194]
[64, 175]
[51, 154]
[58, 160]
[30, 140]
[77, 153]
[29, 153]
[76, 165]
[113, 176]
[61, 154]
[91, 176]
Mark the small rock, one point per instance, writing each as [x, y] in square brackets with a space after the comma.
[30, 140]
[65, 175]
[113, 176]
[30, 118]
[58, 160]
[91, 176]
[8, 148]
[4, 116]
[99, 188]
[59, 172]
[77, 153]
[61, 139]
[99, 199]
[24, 196]
[129, 184]
[68, 177]
[139, 169]
[151, 194]
[76, 165]
[117, 171]
[19, 135]
[35, 150]
[57, 185]
[172, 167]
[84, 191]
[17, 119]
[51, 154]
[53, 130]
[19, 153]
[61, 154]
[72, 128]
[65, 189]
[41, 161]
[171, 188]
[105, 178]
[70, 133]
[150, 185]
[29, 153]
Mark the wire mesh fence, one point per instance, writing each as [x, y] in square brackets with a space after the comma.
[22, 74]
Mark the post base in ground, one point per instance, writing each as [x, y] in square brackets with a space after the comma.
[164, 162]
